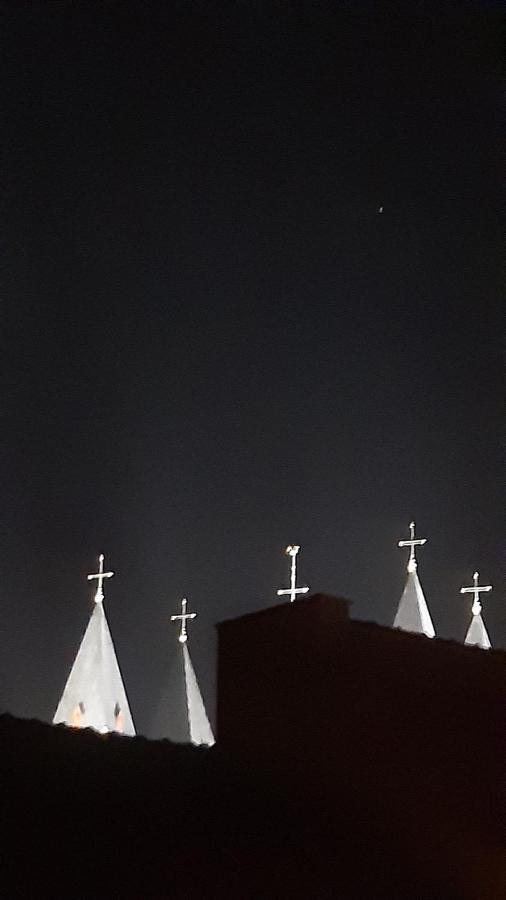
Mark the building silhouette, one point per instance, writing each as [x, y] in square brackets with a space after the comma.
[352, 761]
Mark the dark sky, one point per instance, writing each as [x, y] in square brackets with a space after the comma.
[212, 342]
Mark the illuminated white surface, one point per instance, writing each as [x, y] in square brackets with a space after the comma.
[292, 591]
[413, 613]
[94, 695]
[200, 728]
[477, 634]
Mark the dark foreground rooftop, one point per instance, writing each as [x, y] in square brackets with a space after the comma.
[352, 762]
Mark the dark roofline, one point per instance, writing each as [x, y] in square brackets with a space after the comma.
[341, 606]
[322, 600]
[436, 641]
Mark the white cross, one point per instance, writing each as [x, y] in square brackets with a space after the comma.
[476, 589]
[183, 637]
[100, 575]
[292, 551]
[414, 542]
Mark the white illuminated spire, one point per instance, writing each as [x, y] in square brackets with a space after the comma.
[182, 715]
[477, 633]
[94, 695]
[292, 551]
[412, 612]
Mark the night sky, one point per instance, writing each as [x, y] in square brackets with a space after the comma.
[213, 343]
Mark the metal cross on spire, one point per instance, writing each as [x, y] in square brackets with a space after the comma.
[292, 551]
[476, 590]
[100, 575]
[412, 543]
[183, 636]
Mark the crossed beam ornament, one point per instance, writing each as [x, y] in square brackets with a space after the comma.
[183, 635]
[412, 543]
[100, 575]
[292, 591]
[476, 590]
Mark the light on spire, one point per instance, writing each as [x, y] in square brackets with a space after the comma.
[413, 613]
[100, 575]
[477, 633]
[412, 543]
[476, 590]
[183, 635]
[292, 551]
[94, 695]
[197, 729]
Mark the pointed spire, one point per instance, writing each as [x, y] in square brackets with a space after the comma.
[413, 612]
[200, 727]
[182, 715]
[292, 551]
[477, 634]
[94, 695]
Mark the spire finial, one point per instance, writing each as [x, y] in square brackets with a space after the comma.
[412, 543]
[292, 551]
[100, 575]
[476, 590]
[183, 636]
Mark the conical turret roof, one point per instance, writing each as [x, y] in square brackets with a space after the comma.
[200, 728]
[413, 612]
[477, 634]
[94, 695]
[181, 715]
